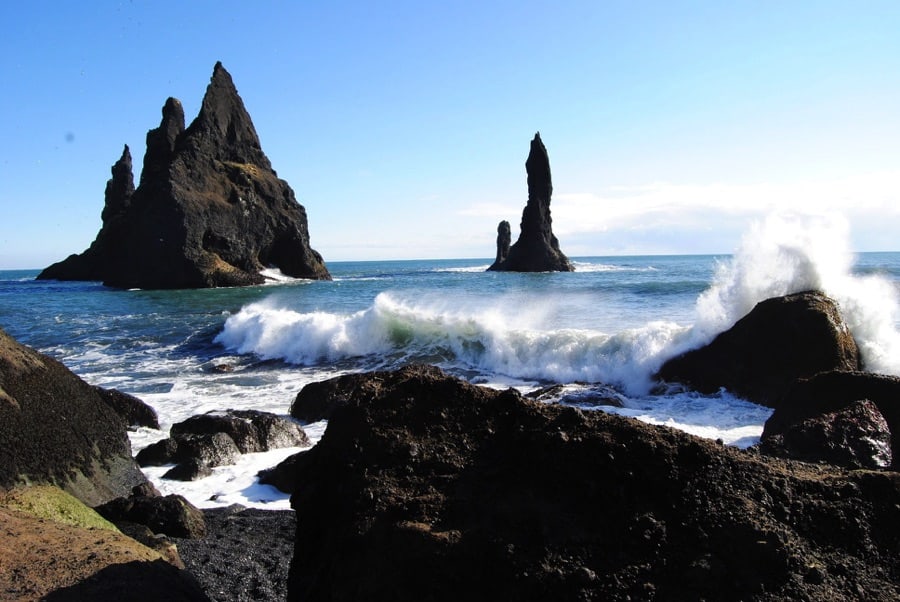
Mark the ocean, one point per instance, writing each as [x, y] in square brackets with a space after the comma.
[614, 321]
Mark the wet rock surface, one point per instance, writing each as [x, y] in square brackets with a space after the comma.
[823, 397]
[856, 436]
[205, 441]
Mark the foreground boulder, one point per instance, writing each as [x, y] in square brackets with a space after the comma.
[55, 548]
[209, 210]
[781, 340]
[435, 489]
[537, 249]
[170, 515]
[57, 429]
[856, 436]
[826, 399]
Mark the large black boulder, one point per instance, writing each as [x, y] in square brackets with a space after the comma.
[856, 436]
[832, 392]
[57, 429]
[425, 487]
[781, 340]
[209, 209]
[170, 515]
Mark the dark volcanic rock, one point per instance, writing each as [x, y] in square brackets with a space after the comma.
[159, 453]
[132, 410]
[856, 437]
[170, 515]
[780, 340]
[318, 400]
[834, 391]
[251, 430]
[119, 188]
[218, 438]
[283, 475]
[435, 489]
[537, 249]
[245, 555]
[504, 240]
[211, 449]
[189, 470]
[55, 428]
[209, 210]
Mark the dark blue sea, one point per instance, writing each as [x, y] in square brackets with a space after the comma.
[613, 321]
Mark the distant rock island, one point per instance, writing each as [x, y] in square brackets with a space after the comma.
[537, 249]
[209, 210]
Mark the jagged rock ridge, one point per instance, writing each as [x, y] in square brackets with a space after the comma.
[537, 249]
[209, 210]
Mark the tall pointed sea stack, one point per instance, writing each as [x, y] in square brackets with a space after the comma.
[537, 249]
[209, 210]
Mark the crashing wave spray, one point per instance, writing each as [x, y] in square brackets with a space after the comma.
[786, 254]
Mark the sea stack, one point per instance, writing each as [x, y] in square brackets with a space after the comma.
[209, 210]
[537, 249]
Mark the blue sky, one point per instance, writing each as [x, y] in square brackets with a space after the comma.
[403, 127]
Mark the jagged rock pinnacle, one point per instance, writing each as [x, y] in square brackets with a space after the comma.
[209, 210]
[537, 249]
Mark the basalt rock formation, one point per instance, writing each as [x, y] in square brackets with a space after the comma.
[209, 210]
[856, 436]
[436, 489]
[781, 340]
[537, 249]
[204, 441]
[833, 392]
[57, 429]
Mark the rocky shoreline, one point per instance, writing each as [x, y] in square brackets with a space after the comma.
[425, 486]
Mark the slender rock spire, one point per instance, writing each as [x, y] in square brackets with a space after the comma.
[537, 249]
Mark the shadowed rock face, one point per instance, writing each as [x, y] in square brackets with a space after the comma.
[537, 249]
[812, 400]
[425, 487]
[209, 210]
[55, 428]
[781, 340]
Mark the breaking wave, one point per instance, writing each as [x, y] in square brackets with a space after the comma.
[787, 254]
[778, 256]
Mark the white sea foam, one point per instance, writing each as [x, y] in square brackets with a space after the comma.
[504, 338]
[787, 254]
[472, 269]
[276, 276]
[236, 483]
[588, 267]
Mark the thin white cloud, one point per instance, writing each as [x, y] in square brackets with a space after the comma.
[665, 204]
[663, 217]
